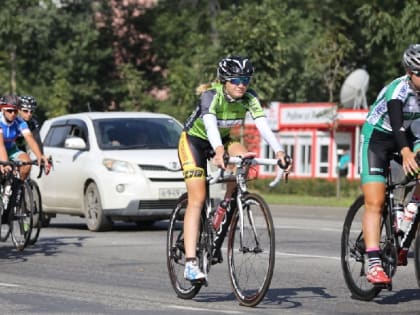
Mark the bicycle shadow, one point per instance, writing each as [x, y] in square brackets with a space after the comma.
[284, 297]
[406, 295]
[47, 246]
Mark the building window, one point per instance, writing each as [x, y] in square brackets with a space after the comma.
[323, 159]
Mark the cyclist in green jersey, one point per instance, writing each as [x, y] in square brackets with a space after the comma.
[222, 105]
[385, 132]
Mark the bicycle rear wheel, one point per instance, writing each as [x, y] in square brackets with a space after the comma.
[37, 214]
[251, 264]
[354, 261]
[175, 252]
[21, 218]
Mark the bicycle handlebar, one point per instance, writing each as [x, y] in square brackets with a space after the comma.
[16, 164]
[242, 161]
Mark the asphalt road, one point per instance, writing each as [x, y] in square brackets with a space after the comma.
[73, 271]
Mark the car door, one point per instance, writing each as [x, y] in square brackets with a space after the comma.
[64, 188]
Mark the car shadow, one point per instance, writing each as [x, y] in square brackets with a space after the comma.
[117, 226]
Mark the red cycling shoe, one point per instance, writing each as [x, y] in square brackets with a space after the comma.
[377, 275]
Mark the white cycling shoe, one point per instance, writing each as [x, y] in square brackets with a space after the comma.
[192, 272]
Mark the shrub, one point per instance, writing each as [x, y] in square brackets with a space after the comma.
[311, 187]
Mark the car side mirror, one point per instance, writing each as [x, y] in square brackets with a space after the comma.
[76, 143]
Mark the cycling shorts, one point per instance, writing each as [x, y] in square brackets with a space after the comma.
[376, 149]
[193, 153]
[14, 153]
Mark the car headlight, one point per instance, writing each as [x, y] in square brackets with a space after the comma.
[118, 166]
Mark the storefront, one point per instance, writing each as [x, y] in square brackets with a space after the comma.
[314, 134]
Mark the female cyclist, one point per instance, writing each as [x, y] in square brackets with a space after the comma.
[222, 105]
[384, 132]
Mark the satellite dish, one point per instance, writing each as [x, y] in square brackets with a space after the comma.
[353, 90]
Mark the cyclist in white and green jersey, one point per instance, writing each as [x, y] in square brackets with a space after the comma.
[385, 132]
[222, 105]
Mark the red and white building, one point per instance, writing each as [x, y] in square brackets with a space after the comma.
[313, 134]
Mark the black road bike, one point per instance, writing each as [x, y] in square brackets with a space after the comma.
[20, 206]
[399, 190]
[250, 244]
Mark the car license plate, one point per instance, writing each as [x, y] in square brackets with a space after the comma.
[170, 193]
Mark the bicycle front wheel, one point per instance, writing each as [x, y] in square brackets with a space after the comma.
[251, 256]
[37, 214]
[354, 261]
[21, 218]
[417, 255]
[175, 252]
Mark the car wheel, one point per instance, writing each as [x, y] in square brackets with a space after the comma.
[95, 219]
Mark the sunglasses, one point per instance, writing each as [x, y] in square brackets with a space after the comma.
[26, 111]
[237, 81]
[416, 73]
[11, 111]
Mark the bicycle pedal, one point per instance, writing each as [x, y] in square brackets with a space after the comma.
[199, 282]
[384, 286]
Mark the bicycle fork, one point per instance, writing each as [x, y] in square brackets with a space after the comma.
[251, 220]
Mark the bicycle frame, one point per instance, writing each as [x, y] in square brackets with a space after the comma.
[242, 165]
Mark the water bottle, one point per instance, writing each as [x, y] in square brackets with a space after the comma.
[399, 215]
[219, 215]
[410, 212]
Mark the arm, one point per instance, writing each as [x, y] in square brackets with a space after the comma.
[395, 113]
[213, 134]
[270, 138]
[30, 140]
[3, 152]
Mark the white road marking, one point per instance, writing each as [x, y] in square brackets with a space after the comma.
[10, 285]
[202, 309]
[307, 256]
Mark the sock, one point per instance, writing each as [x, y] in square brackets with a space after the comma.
[374, 259]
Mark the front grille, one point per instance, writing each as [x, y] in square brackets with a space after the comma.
[157, 168]
[157, 204]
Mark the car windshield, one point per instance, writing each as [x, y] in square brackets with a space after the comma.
[137, 133]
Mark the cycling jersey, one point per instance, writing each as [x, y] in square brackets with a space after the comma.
[399, 89]
[228, 112]
[378, 140]
[34, 128]
[11, 131]
[210, 124]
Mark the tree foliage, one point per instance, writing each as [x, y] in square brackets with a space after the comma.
[118, 55]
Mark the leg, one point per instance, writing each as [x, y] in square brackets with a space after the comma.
[234, 149]
[196, 196]
[24, 170]
[374, 201]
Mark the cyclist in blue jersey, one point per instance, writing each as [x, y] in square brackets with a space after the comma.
[11, 127]
[222, 105]
[386, 131]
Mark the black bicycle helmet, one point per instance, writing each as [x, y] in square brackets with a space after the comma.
[27, 102]
[10, 101]
[234, 66]
[411, 58]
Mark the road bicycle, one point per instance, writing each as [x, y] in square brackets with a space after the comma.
[399, 190]
[20, 210]
[251, 238]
